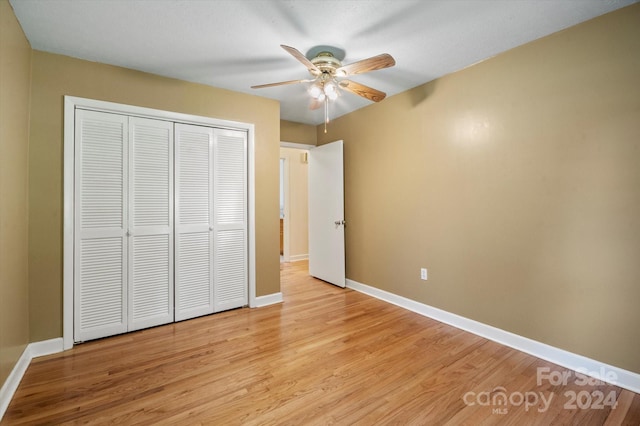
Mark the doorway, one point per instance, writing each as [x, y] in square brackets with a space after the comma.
[294, 228]
[283, 165]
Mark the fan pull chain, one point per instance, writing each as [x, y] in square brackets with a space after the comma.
[326, 114]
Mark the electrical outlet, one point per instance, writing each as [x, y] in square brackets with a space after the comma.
[423, 274]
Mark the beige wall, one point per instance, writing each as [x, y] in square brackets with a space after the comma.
[291, 131]
[15, 68]
[516, 182]
[298, 203]
[55, 76]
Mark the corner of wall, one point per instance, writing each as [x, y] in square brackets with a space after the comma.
[15, 86]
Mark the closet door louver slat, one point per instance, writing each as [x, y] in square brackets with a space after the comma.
[195, 273]
[101, 293]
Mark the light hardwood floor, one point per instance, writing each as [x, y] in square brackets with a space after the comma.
[324, 356]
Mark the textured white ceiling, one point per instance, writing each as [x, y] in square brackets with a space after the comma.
[234, 44]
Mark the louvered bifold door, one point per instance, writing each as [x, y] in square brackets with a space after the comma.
[194, 221]
[150, 231]
[100, 250]
[230, 219]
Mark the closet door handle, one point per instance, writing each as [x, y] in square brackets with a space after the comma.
[211, 228]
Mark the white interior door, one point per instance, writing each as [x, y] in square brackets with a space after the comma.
[326, 213]
[150, 231]
[194, 221]
[124, 224]
[230, 282]
[100, 265]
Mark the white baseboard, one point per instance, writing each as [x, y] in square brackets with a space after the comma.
[298, 257]
[599, 370]
[269, 299]
[13, 380]
[46, 347]
[33, 350]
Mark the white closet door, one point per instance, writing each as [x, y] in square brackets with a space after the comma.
[194, 221]
[230, 219]
[100, 264]
[150, 232]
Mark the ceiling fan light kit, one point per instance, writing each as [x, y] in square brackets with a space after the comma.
[323, 88]
[328, 73]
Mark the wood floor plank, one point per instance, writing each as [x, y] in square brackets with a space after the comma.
[324, 356]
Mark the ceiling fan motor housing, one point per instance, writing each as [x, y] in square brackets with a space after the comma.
[326, 62]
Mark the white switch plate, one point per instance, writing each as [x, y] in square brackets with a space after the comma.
[423, 274]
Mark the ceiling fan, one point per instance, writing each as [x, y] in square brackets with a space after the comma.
[329, 77]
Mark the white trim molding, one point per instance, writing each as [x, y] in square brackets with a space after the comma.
[587, 366]
[268, 299]
[33, 350]
[13, 380]
[295, 145]
[46, 347]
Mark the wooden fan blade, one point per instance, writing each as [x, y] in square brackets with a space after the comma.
[375, 63]
[362, 90]
[281, 83]
[303, 59]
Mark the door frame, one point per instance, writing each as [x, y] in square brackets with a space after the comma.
[70, 105]
[284, 163]
[286, 255]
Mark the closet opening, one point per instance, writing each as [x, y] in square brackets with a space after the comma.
[157, 205]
